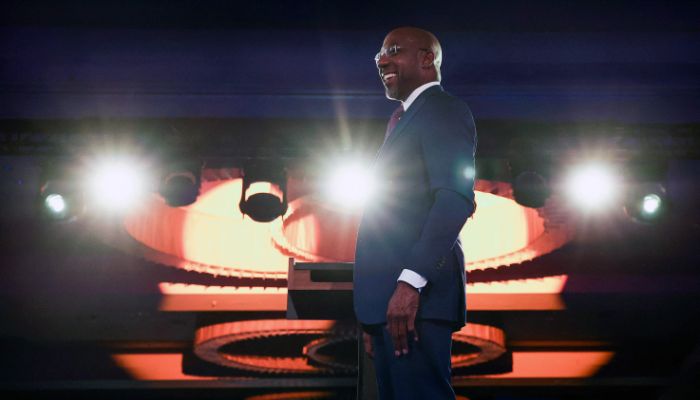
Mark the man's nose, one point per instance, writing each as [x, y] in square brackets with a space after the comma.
[382, 62]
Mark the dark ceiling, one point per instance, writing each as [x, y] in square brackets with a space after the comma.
[485, 16]
[551, 61]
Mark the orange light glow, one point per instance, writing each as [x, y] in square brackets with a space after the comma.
[155, 367]
[212, 236]
[500, 232]
[556, 364]
[529, 294]
[550, 284]
[183, 297]
[180, 288]
[501, 227]
[293, 396]
[526, 364]
[211, 232]
[262, 187]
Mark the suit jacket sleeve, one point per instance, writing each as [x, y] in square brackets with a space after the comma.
[448, 154]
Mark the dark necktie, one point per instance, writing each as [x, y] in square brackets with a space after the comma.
[395, 117]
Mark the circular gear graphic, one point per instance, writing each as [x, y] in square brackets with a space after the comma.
[318, 347]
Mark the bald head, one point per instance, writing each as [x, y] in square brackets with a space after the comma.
[409, 58]
[423, 39]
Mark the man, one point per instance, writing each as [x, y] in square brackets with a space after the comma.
[409, 280]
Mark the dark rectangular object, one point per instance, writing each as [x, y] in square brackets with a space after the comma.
[319, 291]
[331, 276]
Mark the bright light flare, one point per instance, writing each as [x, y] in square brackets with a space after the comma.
[350, 185]
[593, 186]
[117, 184]
[651, 204]
[55, 203]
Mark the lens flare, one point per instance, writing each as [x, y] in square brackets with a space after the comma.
[117, 185]
[651, 204]
[593, 186]
[350, 185]
[55, 203]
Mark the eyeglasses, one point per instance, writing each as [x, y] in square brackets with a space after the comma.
[391, 52]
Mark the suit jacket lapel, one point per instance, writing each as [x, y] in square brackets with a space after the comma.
[406, 118]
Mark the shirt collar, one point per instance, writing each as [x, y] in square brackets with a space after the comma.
[414, 95]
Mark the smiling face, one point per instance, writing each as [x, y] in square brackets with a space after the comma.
[406, 61]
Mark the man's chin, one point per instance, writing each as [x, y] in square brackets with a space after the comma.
[390, 94]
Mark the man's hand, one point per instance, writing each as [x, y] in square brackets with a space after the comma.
[401, 316]
[367, 339]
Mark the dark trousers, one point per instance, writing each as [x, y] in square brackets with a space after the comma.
[424, 373]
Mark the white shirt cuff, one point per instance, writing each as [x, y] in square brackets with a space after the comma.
[412, 278]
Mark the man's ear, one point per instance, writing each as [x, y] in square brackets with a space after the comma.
[428, 59]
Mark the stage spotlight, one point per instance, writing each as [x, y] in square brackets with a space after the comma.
[56, 203]
[60, 196]
[60, 200]
[117, 184]
[181, 183]
[529, 171]
[651, 203]
[530, 189]
[646, 202]
[350, 185]
[264, 192]
[593, 186]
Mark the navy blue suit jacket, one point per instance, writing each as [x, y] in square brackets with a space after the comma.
[431, 149]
